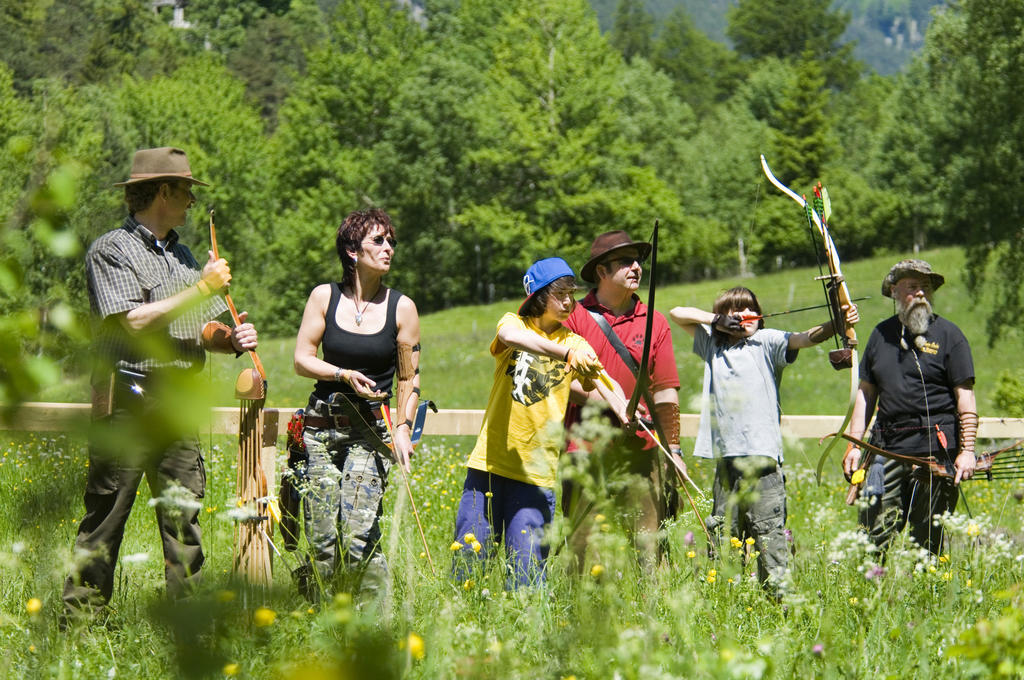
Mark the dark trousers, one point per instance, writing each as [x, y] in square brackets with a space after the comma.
[123, 448]
[897, 496]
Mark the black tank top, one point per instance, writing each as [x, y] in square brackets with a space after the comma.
[373, 354]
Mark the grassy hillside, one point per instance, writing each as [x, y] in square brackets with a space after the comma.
[457, 369]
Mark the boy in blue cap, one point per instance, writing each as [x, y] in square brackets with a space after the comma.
[509, 489]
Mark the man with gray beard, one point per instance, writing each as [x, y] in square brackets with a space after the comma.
[917, 369]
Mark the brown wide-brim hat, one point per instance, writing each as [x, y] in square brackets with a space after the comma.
[163, 163]
[905, 268]
[607, 244]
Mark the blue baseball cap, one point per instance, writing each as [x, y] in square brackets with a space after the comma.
[541, 273]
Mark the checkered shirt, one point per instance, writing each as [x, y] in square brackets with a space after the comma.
[126, 268]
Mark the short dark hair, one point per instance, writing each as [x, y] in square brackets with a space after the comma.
[538, 302]
[140, 195]
[733, 300]
[354, 228]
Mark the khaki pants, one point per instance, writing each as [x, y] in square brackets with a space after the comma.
[119, 455]
[752, 490]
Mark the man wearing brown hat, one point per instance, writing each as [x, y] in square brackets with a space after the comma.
[154, 306]
[917, 369]
[613, 320]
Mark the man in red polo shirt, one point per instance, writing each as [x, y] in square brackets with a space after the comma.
[615, 267]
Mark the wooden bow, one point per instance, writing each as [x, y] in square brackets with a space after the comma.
[249, 387]
[838, 296]
[988, 467]
[255, 456]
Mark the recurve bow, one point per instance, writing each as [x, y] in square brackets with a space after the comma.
[838, 297]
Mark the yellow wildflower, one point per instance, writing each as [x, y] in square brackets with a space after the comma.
[853, 601]
[691, 554]
[596, 570]
[973, 530]
[416, 647]
[455, 546]
[598, 518]
[468, 538]
[33, 606]
[468, 585]
[736, 543]
[477, 547]
[943, 558]
[230, 669]
[263, 617]
[857, 477]
[750, 540]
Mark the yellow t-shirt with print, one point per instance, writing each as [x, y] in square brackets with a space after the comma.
[521, 436]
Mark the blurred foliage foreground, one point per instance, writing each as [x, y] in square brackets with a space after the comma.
[844, 612]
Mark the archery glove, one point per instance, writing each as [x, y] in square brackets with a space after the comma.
[583, 363]
[729, 324]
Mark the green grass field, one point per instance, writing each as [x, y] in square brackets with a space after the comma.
[844, 615]
[457, 369]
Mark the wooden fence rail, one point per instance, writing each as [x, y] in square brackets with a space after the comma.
[59, 417]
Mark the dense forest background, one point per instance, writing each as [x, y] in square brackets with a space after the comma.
[496, 133]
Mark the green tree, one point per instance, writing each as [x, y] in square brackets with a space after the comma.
[88, 41]
[954, 148]
[633, 29]
[554, 168]
[326, 146]
[792, 29]
[801, 145]
[704, 72]
[974, 55]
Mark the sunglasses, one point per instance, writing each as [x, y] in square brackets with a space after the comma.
[379, 240]
[626, 261]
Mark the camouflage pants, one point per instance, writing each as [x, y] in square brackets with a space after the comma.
[752, 489]
[896, 496]
[342, 490]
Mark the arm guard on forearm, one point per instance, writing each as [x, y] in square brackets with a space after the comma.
[667, 415]
[405, 372]
[822, 333]
[968, 430]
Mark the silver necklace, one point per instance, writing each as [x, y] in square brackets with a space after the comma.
[359, 314]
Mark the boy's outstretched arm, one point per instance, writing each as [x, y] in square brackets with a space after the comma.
[820, 333]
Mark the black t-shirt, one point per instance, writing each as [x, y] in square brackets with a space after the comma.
[372, 354]
[915, 396]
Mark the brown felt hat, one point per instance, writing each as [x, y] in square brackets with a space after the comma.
[905, 268]
[606, 244]
[163, 163]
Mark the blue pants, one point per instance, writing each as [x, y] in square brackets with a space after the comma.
[515, 511]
